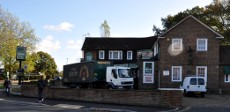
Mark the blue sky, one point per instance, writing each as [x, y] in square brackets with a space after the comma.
[62, 24]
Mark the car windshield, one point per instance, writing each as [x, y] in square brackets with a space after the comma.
[124, 73]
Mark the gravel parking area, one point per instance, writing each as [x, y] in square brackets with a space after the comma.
[210, 100]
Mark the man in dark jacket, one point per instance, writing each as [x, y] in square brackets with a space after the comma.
[41, 85]
[7, 85]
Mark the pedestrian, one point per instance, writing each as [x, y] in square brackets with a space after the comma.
[41, 84]
[7, 84]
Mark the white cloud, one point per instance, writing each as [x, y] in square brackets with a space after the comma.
[75, 47]
[48, 44]
[71, 44]
[64, 26]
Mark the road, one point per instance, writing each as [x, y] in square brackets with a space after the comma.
[18, 103]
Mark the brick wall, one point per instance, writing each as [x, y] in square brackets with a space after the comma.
[165, 98]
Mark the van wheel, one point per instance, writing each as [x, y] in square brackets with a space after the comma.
[202, 95]
[185, 93]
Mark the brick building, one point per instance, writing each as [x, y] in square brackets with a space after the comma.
[121, 52]
[189, 48]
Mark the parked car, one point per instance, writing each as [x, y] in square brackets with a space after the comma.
[194, 84]
[58, 78]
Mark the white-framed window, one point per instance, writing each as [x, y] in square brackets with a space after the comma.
[101, 54]
[202, 71]
[202, 44]
[129, 55]
[117, 55]
[226, 77]
[177, 44]
[176, 73]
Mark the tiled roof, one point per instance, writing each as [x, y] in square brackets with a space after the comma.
[113, 43]
[225, 55]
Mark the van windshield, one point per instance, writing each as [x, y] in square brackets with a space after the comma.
[124, 73]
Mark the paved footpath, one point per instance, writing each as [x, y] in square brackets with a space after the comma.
[210, 100]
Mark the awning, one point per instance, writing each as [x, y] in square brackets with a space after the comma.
[226, 69]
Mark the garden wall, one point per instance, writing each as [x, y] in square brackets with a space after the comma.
[162, 97]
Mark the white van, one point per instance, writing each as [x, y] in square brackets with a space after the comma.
[194, 84]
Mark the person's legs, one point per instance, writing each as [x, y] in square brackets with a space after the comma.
[40, 94]
[8, 91]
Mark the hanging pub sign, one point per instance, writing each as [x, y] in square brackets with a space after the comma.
[148, 72]
[21, 53]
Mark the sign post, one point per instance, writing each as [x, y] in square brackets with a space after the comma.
[21, 56]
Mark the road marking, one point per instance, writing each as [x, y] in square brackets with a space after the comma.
[173, 110]
[185, 109]
[110, 109]
[69, 106]
[23, 102]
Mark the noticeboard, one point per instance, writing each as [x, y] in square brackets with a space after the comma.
[21, 53]
[148, 72]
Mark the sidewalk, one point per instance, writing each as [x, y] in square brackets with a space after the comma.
[210, 100]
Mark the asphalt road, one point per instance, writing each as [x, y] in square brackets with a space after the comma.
[18, 103]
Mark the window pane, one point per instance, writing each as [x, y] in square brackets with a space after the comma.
[202, 44]
[101, 54]
[120, 55]
[177, 44]
[115, 55]
[193, 81]
[110, 55]
[129, 55]
[201, 72]
[200, 81]
[176, 74]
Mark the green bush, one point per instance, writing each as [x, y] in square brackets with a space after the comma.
[1, 86]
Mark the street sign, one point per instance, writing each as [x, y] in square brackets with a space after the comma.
[21, 53]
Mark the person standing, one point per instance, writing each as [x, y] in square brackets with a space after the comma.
[7, 85]
[41, 84]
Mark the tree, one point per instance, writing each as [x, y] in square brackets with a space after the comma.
[215, 15]
[105, 29]
[14, 33]
[44, 63]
